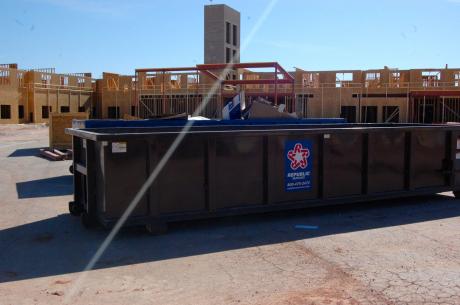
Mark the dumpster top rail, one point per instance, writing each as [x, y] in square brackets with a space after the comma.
[271, 127]
[182, 122]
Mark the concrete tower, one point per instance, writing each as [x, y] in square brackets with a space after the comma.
[221, 34]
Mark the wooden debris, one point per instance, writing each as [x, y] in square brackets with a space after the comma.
[56, 154]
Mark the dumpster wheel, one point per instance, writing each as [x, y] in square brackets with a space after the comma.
[75, 209]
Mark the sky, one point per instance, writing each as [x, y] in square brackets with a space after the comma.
[76, 36]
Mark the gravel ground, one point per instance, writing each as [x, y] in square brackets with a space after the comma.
[404, 251]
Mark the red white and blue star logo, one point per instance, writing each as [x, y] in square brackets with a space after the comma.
[298, 156]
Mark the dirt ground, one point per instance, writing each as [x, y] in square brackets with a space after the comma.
[404, 251]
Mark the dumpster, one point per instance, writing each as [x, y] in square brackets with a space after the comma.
[255, 166]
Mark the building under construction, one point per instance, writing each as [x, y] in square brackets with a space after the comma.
[115, 97]
[370, 96]
[384, 95]
[28, 96]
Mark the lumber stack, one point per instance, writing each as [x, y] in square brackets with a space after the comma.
[56, 154]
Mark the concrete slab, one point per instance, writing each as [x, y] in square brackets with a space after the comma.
[389, 252]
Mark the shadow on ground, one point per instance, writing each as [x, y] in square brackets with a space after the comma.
[54, 186]
[60, 245]
[26, 152]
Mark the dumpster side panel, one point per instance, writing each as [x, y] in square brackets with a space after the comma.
[428, 154]
[125, 166]
[180, 186]
[236, 171]
[386, 161]
[278, 146]
[342, 164]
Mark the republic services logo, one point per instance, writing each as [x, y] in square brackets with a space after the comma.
[298, 156]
